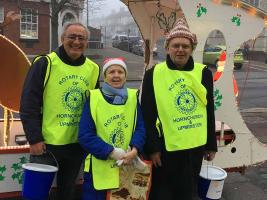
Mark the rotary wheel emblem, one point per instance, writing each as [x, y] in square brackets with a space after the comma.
[73, 99]
[117, 137]
[186, 102]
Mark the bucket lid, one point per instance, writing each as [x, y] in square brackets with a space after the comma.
[212, 172]
[39, 167]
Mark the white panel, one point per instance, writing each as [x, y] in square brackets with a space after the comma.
[218, 16]
[11, 171]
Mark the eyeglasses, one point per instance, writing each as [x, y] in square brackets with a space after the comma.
[74, 36]
[183, 46]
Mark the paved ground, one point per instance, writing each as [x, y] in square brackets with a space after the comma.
[253, 184]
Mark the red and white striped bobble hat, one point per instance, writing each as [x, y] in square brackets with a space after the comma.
[114, 61]
[181, 29]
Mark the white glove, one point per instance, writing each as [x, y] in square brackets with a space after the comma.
[139, 164]
[117, 153]
[119, 163]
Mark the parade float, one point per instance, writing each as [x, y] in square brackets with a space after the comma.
[12, 153]
[237, 20]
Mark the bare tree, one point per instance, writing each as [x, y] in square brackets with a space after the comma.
[57, 6]
[92, 7]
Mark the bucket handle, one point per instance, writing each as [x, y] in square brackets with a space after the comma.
[208, 164]
[53, 156]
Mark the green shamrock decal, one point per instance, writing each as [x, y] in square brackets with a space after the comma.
[23, 160]
[17, 169]
[236, 20]
[201, 10]
[2, 171]
[217, 99]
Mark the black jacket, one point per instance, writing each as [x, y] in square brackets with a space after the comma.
[32, 95]
[155, 143]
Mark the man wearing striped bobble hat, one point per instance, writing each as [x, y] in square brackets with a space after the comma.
[178, 109]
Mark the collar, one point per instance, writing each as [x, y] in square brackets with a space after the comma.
[188, 66]
[60, 51]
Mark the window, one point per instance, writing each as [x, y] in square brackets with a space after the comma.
[68, 17]
[257, 3]
[29, 24]
[254, 2]
[217, 49]
[1, 14]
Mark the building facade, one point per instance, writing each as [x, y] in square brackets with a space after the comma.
[32, 32]
[262, 4]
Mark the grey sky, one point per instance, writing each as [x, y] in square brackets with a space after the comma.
[110, 5]
[107, 7]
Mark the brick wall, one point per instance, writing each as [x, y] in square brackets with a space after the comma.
[12, 31]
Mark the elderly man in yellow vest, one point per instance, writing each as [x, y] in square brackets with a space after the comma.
[54, 92]
[177, 105]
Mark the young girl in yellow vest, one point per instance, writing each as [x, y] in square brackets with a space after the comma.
[111, 122]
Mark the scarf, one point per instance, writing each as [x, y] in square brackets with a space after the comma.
[119, 96]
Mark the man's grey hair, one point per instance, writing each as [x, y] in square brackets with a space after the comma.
[67, 25]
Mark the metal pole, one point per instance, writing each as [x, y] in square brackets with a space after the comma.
[87, 13]
[222, 142]
[105, 38]
[128, 40]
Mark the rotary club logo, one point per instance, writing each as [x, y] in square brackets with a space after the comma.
[73, 99]
[117, 137]
[185, 102]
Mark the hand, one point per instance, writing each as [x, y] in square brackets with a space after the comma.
[117, 154]
[129, 156]
[155, 157]
[209, 155]
[38, 148]
[139, 164]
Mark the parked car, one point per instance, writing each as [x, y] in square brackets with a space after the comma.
[138, 49]
[117, 39]
[128, 43]
[238, 59]
[133, 40]
[211, 56]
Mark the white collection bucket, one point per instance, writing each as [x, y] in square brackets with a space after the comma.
[211, 180]
[37, 180]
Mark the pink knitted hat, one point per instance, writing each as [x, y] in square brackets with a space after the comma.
[181, 29]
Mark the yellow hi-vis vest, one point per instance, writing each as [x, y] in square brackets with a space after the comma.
[181, 103]
[115, 125]
[64, 95]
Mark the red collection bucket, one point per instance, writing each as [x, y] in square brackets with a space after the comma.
[37, 180]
